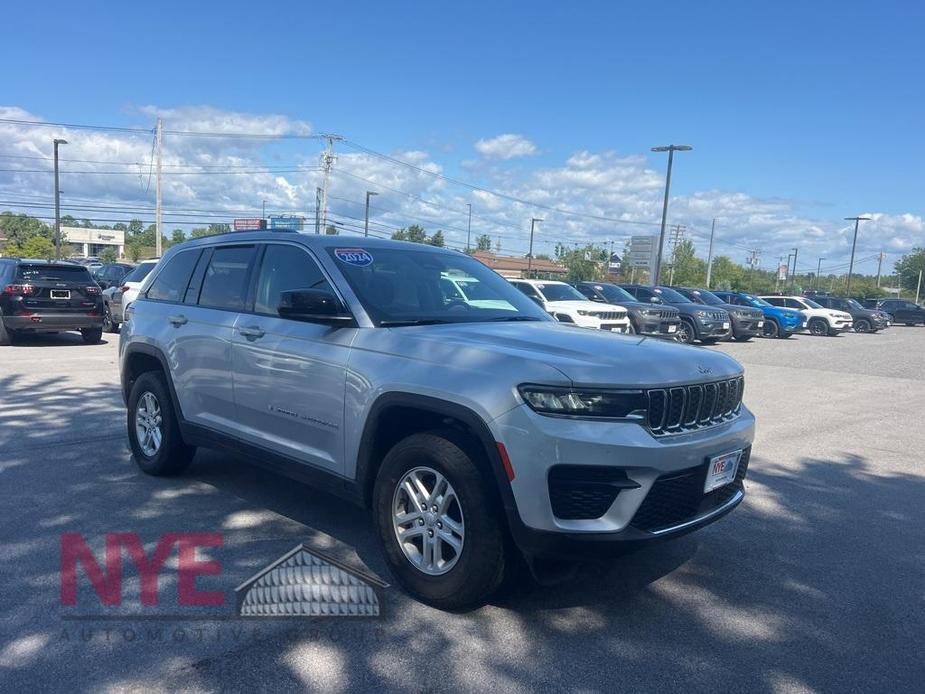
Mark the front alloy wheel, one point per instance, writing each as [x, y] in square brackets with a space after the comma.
[818, 327]
[862, 325]
[685, 333]
[428, 521]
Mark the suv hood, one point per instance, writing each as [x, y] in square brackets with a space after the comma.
[584, 357]
[583, 306]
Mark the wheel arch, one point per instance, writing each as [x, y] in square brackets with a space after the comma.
[394, 416]
[142, 358]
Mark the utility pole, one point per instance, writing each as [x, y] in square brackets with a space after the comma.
[879, 266]
[818, 270]
[854, 243]
[793, 277]
[777, 272]
[710, 254]
[57, 203]
[366, 219]
[469, 227]
[158, 141]
[918, 287]
[671, 149]
[530, 254]
[752, 261]
[317, 210]
[263, 210]
[676, 235]
[327, 163]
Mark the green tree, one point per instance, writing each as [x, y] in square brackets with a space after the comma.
[483, 243]
[33, 247]
[689, 270]
[134, 251]
[18, 228]
[69, 221]
[331, 230]
[108, 255]
[584, 263]
[437, 239]
[135, 227]
[908, 268]
[414, 233]
[177, 236]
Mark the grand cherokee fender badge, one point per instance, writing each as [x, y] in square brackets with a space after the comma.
[305, 583]
[353, 256]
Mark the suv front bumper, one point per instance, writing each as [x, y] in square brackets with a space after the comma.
[536, 444]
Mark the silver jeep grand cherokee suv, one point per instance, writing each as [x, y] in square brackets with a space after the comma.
[478, 432]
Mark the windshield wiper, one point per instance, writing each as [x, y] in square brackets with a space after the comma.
[515, 318]
[413, 321]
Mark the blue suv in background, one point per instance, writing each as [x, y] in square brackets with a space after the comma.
[778, 321]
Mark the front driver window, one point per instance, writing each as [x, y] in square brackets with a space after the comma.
[285, 268]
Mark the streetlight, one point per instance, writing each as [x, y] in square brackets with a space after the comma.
[469, 227]
[530, 254]
[853, 244]
[57, 203]
[671, 149]
[793, 277]
[818, 270]
[369, 193]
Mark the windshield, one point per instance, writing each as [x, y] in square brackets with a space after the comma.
[755, 301]
[410, 287]
[854, 304]
[671, 296]
[63, 273]
[702, 296]
[812, 304]
[560, 292]
[615, 294]
[139, 273]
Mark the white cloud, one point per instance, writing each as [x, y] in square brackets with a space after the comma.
[506, 146]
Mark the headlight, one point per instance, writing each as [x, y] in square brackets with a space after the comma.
[582, 313]
[612, 404]
[702, 314]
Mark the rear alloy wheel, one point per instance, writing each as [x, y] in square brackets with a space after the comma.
[439, 523]
[818, 327]
[686, 334]
[91, 336]
[862, 325]
[153, 430]
[108, 325]
[771, 329]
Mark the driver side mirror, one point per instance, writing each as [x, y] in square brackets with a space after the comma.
[313, 306]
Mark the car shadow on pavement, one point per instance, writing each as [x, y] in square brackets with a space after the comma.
[823, 561]
[62, 339]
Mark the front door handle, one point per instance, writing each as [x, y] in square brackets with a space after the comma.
[177, 321]
[252, 331]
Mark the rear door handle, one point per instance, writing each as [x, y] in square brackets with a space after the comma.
[177, 321]
[252, 331]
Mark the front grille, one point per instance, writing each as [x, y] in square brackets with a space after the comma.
[608, 315]
[717, 315]
[678, 497]
[585, 492]
[680, 409]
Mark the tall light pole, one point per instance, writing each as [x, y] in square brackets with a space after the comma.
[159, 200]
[369, 194]
[671, 149]
[854, 243]
[530, 253]
[710, 254]
[469, 227]
[57, 203]
[818, 270]
[793, 277]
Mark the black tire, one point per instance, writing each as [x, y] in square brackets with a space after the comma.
[686, 332]
[479, 568]
[862, 325]
[771, 329]
[709, 340]
[818, 327]
[785, 336]
[743, 338]
[109, 325]
[6, 336]
[91, 336]
[173, 456]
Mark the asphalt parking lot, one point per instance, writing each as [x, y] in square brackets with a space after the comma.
[816, 583]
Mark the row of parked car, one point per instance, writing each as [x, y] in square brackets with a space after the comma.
[688, 314]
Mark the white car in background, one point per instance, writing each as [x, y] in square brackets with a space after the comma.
[117, 299]
[567, 305]
[819, 319]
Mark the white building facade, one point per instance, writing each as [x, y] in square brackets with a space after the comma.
[91, 242]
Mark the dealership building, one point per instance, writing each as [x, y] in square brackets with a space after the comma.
[92, 242]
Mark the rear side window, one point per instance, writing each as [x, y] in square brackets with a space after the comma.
[50, 273]
[225, 283]
[139, 273]
[170, 283]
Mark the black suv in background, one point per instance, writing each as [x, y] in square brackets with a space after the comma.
[866, 320]
[902, 311]
[646, 319]
[112, 274]
[698, 322]
[39, 296]
[747, 322]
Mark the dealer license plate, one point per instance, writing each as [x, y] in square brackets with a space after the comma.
[725, 326]
[761, 324]
[722, 470]
[672, 328]
[60, 294]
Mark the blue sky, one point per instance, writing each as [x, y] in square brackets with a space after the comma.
[815, 105]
